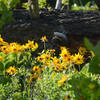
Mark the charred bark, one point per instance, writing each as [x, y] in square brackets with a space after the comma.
[33, 8]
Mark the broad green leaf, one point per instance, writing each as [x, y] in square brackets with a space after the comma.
[9, 63]
[85, 69]
[95, 65]
[88, 44]
[97, 49]
[11, 56]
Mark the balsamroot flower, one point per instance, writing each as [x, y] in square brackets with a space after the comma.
[11, 70]
[44, 38]
[2, 42]
[44, 58]
[34, 74]
[31, 45]
[36, 69]
[78, 59]
[4, 49]
[82, 50]
[33, 77]
[64, 78]
[64, 52]
[12, 48]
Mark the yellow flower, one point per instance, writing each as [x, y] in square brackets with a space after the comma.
[64, 53]
[64, 78]
[52, 51]
[36, 69]
[40, 59]
[57, 64]
[2, 42]
[57, 67]
[47, 58]
[82, 50]
[43, 67]
[53, 75]
[1, 58]
[5, 49]
[13, 44]
[12, 47]
[62, 67]
[35, 46]
[15, 47]
[63, 48]
[68, 59]
[44, 58]
[29, 80]
[59, 85]
[56, 60]
[35, 76]
[78, 59]
[31, 45]
[44, 38]
[1, 39]
[11, 70]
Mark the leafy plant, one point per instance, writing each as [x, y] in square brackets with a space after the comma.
[95, 62]
[47, 76]
[6, 15]
[86, 7]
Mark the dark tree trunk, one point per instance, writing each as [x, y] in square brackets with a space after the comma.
[34, 8]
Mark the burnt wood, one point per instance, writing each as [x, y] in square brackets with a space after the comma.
[77, 24]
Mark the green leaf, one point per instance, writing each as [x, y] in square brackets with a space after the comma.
[97, 49]
[88, 44]
[2, 54]
[4, 79]
[85, 69]
[87, 5]
[11, 56]
[9, 63]
[95, 65]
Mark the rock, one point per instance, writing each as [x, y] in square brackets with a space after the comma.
[59, 39]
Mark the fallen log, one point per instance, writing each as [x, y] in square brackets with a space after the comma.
[77, 24]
